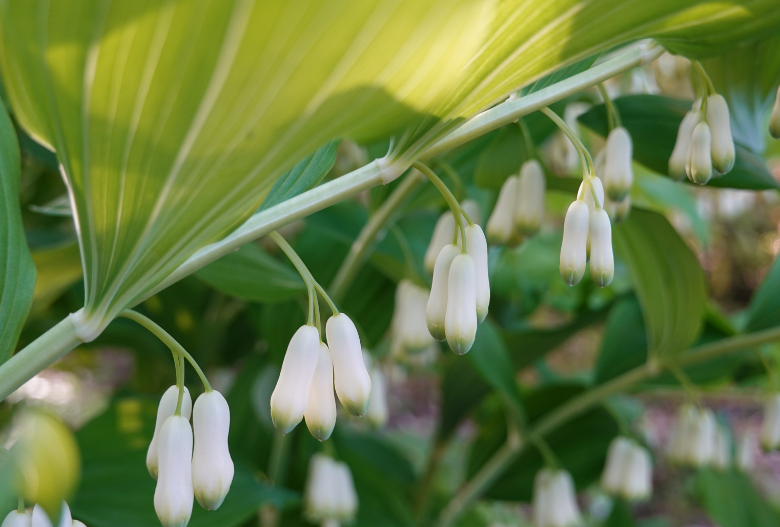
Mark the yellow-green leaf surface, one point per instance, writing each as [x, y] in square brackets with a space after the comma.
[172, 119]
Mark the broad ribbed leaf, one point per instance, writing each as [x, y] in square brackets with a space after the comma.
[668, 280]
[172, 119]
[17, 273]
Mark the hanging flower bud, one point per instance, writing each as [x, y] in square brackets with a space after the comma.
[436, 310]
[574, 246]
[17, 519]
[330, 492]
[602, 265]
[679, 158]
[617, 456]
[291, 394]
[377, 408]
[677, 448]
[554, 502]
[618, 174]
[745, 452]
[723, 154]
[500, 225]
[461, 316]
[721, 455]
[774, 120]
[408, 327]
[699, 167]
[618, 211]
[471, 208]
[173, 496]
[770, 426]
[347, 497]
[353, 384]
[443, 235]
[321, 412]
[39, 518]
[701, 448]
[166, 409]
[212, 468]
[476, 247]
[529, 208]
[628, 472]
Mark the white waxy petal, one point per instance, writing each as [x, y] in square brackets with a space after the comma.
[501, 223]
[745, 452]
[436, 310]
[321, 412]
[721, 458]
[166, 409]
[574, 246]
[174, 495]
[723, 154]
[291, 394]
[443, 234]
[699, 167]
[701, 443]
[377, 409]
[461, 317]
[774, 119]
[602, 265]
[408, 327]
[529, 208]
[541, 503]
[617, 458]
[587, 193]
[347, 500]
[677, 449]
[212, 467]
[476, 247]
[39, 518]
[638, 476]
[618, 211]
[618, 174]
[77, 523]
[679, 158]
[770, 425]
[353, 384]
[17, 519]
[564, 511]
[319, 494]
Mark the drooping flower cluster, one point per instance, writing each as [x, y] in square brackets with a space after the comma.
[329, 496]
[519, 210]
[693, 437]
[587, 230]
[310, 372]
[704, 147]
[629, 470]
[554, 502]
[444, 233]
[38, 518]
[184, 473]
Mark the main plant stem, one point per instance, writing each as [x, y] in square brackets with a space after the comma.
[501, 460]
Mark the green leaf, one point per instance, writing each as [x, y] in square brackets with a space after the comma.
[17, 272]
[58, 269]
[731, 500]
[620, 516]
[653, 120]
[563, 74]
[489, 356]
[764, 310]
[668, 280]
[625, 342]
[252, 274]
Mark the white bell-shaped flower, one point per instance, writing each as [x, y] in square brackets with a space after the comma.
[476, 247]
[554, 502]
[291, 394]
[770, 426]
[39, 518]
[679, 158]
[529, 207]
[166, 409]
[443, 234]
[330, 492]
[602, 264]
[436, 310]
[17, 519]
[587, 194]
[723, 154]
[618, 211]
[461, 316]
[774, 119]
[617, 458]
[629, 470]
[377, 409]
[212, 467]
[347, 496]
[699, 167]
[746, 460]
[618, 174]
[721, 456]
[677, 448]
[353, 384]
[693, 438]
[174, 494]
[321, 412]
[574, 255]
[408, 327]
[500, 225]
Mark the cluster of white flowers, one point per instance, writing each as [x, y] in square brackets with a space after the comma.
[612, 166]
[704, 146]
[184, 473]
[629, 470]
[554, 501]
[774, 119]
[693, 437]
[587, 231]
[460, 290]
[37, 517]
[519, 210]
[330, 495]
[311, 370]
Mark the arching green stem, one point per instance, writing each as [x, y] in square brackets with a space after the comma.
[451, 201]
[613, 116]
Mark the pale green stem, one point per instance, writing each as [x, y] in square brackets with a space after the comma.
[451, 201]
[585, 159]
[527, 139]
[327, 298]
[613, 116]
[308, 279]
[168, 340]
[550, 459]
[20, 505]
[705, 78]
[371, 230]
[501, 460]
